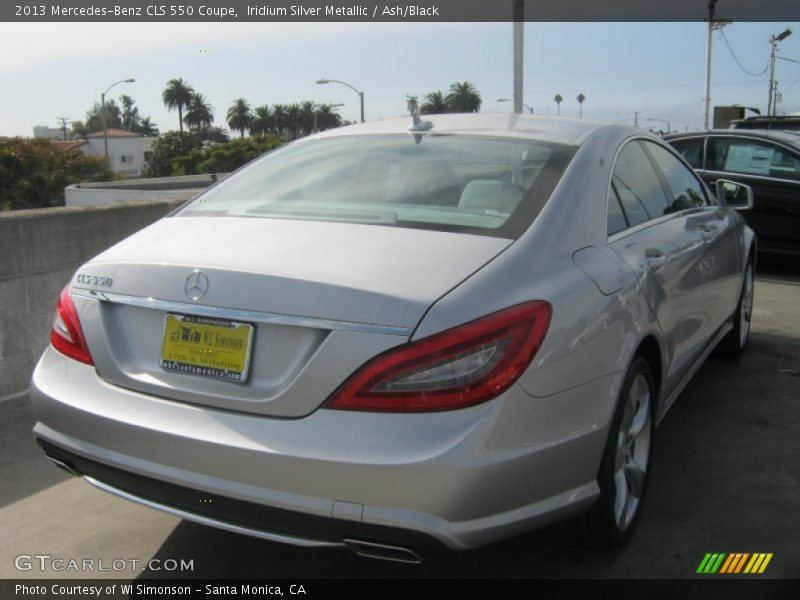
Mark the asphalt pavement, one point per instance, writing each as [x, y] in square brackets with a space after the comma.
[724, 478]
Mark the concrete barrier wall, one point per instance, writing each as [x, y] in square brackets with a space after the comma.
[162, 188]
[39, 252]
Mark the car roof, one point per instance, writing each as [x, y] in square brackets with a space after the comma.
[787, 137]
[561, 130]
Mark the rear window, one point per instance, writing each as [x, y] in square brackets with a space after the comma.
[482, 185]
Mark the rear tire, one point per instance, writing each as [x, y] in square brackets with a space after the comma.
[735, 342]
[625, 466]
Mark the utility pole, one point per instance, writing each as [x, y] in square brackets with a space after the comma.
[636, 118]
[64, 121]
[712, 26]
[519, 35]
[773, 88]
[707, 100]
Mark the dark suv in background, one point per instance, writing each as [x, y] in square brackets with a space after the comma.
[766, 160]
[784, 123]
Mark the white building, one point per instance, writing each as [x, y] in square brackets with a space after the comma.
[126, 150]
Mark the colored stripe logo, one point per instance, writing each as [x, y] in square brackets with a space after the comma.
[733, 563]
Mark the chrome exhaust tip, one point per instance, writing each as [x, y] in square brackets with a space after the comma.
[64, 466]
[383, 552]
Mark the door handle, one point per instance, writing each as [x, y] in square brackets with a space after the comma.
[655, 258]
[708, 231]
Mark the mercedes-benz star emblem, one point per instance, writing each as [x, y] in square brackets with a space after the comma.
[196, 285]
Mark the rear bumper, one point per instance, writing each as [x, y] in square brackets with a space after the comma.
[458, 479]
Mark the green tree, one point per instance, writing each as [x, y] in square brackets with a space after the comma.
[224, 158]
[279, 119]
[199, 113]
[34, 173]
[262, 120]
[240, 116]
[463, 98]
[167, 148]
[307, 111]
[146, 128]
[435, 104]
[581, 99]
[130, 119]
[177, 95]
[293, 119]
[327, 117]
[216, 135]
[558, 100]
[78, 130]
[94, 117]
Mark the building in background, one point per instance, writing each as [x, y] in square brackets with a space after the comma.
[126, 150]
[52, 133]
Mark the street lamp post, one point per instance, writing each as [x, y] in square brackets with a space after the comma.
[530, 108]
[360, 94]
[772, 100]
[103, 111]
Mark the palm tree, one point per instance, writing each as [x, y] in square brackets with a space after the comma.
[199, 113]
[558, 100]
[293, 119]
[148, 129]
[279, 124]
[262, 120]
[581, 98]
[435, 104]
[307, 110]
[177, 94]
[240, 116]
[327, 117]
[463, 98]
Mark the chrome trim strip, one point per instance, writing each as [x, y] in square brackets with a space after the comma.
[234, 314]
[265, 535]
[379, 551]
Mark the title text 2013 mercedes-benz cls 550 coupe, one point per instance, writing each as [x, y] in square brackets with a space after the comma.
[398, 339]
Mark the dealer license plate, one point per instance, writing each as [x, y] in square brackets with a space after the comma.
[209, 347]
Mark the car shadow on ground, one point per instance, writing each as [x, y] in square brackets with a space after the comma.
[23, 466]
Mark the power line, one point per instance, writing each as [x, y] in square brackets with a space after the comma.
[741, 66]
[788, 87]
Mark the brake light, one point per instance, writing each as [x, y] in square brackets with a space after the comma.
[453, 369]
[67, 335]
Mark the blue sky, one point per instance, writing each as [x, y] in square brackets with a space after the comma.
[658, 69]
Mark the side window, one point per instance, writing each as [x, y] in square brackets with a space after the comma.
[633, 207]
[686, 191]
[615, 221]
[637, 183]
[753, 157]
[691, 150]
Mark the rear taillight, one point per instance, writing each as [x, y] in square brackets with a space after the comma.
[459, 367]
[67, 335]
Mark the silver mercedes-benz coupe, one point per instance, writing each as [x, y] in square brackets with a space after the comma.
[403, 336]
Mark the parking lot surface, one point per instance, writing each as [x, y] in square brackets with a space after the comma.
[724, 479]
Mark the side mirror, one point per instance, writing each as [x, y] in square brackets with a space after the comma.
[731, 194]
